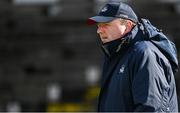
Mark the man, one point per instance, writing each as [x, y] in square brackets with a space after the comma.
[140, 63]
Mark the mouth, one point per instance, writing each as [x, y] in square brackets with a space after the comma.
[102, 36]
[103, 39]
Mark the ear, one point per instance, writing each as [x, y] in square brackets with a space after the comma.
[129, 26]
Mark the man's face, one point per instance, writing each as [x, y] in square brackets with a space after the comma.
[111, 31]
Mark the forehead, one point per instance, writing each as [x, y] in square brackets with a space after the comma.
[115, 21]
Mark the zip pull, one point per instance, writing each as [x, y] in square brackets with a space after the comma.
[119, 47]
[106, 51]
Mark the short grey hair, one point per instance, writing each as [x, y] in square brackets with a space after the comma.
[124, 21]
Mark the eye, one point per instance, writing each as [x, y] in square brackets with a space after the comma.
[102, 24]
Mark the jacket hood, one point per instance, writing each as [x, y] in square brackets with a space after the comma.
[161, 42]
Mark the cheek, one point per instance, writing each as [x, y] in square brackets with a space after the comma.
[114, 31]
[121, 29]
[117, 31]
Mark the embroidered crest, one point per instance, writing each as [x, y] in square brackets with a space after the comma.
[121, 70]
[104, 9]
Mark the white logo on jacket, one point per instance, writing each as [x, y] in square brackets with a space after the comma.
[121, 70]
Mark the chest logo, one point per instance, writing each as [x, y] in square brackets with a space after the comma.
[121, 70]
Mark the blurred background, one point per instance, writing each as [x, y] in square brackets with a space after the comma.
[50, 60]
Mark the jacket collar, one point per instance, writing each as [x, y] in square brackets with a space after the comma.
[113, 47]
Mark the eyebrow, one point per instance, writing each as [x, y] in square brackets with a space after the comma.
[105, 23]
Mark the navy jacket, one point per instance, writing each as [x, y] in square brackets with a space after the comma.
[138, 72]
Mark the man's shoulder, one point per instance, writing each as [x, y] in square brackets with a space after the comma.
[146, 49]
[142, 47]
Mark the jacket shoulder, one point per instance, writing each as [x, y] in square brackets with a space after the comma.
[145, 50]
[142, 47]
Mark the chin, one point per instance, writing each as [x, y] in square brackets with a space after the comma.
[105, 41]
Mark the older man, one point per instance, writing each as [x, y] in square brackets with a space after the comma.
[139, 65]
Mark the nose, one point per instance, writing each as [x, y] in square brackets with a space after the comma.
[99, 29]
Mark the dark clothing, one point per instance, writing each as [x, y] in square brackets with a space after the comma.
[138, 72]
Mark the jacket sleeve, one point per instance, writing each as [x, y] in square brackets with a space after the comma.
[149, 84]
